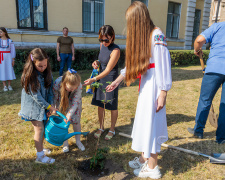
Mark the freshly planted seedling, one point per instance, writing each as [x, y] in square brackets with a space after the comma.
[98, 158]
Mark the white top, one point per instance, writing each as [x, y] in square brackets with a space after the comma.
[161, 58]
[8, 45]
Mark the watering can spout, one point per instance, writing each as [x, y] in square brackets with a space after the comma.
[71, 134]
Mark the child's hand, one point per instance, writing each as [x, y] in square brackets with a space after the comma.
[161, 101]
[52, 110]
[112, 86]
[68, 119]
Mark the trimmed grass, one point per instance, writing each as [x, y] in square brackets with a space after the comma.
[17, 151]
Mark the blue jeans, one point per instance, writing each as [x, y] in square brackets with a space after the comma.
[211, 82]
[65, 58]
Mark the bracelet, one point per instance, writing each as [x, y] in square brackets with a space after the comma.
[49, 107]
[95, 79]
[198, 50]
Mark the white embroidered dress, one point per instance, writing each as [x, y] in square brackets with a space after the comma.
[6, 68]
[150, 128]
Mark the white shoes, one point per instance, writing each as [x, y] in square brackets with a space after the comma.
[66, 149]
[5, 88]
[135, 164]
[145, 172]
[10, 88]
[44, 160]
[80, 146]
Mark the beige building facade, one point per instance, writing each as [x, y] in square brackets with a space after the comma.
[38, 23]
[221, 13]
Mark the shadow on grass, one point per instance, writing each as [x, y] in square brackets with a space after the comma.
[183, 74]
[178, 118]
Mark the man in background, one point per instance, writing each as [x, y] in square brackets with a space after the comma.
[65, 50]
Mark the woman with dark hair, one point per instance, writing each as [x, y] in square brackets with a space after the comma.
[147, 58]
[7, 55]
[108, 62]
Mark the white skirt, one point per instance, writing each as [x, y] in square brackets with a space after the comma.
[150, 128]
[6, 69]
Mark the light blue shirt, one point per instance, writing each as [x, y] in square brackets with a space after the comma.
[215, 34]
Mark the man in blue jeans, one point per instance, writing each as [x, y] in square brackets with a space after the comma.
[213, 78]
[66, 48]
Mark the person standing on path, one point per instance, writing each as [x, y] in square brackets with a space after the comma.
[65, 50]
[213, 78]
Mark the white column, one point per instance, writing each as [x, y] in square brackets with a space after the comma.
[189, 24]
[206, 16]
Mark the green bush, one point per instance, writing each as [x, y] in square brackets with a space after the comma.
[85, 57]
[186, 57]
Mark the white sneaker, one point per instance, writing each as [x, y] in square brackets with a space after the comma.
[135, 164]
[10, 88]
[80, 146]
[66, 149]
[5, 88]
[145, 172]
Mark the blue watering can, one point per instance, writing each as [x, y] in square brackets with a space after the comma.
[56, 130]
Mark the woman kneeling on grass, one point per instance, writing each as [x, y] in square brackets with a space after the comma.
[67, 91]
[148, 58]
[37, 97]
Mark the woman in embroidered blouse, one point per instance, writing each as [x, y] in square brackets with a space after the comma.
[67, 92]
[7, 57]
[147, 57]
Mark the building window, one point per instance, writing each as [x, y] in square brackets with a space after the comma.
[196, 24]
[31, 14]
[173, 20]
[215, 4]
[144, 1]
[93, 15]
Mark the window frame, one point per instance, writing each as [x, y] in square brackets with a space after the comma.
[178, 31]
[84, 31]
[32, 16]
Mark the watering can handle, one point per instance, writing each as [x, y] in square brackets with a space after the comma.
[61, 115]
[64, 117]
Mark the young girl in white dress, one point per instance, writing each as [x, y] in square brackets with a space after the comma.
[147, 57]
[67, 92]
[7, 57]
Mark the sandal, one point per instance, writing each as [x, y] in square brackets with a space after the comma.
[47, 151]
[66, 149]
[44, 160]
[97, 135]
[80, 146]
[108, 137]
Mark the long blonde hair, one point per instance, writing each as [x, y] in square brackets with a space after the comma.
[138, 43]
[73, 79]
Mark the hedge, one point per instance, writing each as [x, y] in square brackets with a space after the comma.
[85, 57]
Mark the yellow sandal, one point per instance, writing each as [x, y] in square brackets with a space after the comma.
[108, 137]
[97, 135]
